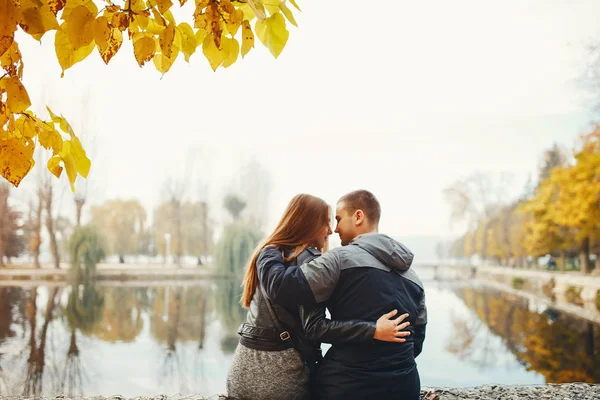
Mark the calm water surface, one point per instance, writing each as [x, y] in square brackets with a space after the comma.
[179, 339]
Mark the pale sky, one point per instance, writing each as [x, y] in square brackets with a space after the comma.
[398, 97]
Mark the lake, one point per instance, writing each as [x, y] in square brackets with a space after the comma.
[119, 338]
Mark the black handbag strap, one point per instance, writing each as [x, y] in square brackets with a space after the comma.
[284, 335]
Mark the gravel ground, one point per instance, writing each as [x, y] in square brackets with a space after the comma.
[570, 391]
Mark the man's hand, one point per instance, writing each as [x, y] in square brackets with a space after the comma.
[391, 330]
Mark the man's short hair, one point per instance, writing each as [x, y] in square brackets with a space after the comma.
[365, 201]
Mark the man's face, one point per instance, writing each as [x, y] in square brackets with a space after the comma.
[346, 226]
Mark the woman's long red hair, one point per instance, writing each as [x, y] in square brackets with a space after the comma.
[303, 219]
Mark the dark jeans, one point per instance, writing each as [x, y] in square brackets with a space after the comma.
[336, 382]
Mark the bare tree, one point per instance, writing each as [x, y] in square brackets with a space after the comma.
[476, 199]
[48, 194]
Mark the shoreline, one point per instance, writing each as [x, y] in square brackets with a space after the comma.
[563, 391]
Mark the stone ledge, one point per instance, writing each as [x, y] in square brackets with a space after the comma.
[565, 391]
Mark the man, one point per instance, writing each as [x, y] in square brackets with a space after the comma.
[366, 277]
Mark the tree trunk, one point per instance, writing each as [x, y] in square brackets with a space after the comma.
[563, 260]
[50, 226]
[584, 255]
[35, 241]
[4, 224]
[79, 203]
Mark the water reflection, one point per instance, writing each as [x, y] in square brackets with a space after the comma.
[89, 339]
[560, 347]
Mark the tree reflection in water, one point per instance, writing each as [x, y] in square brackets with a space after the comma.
[560, 347]
[84, 313]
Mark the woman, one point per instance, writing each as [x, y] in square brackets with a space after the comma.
[275, 355]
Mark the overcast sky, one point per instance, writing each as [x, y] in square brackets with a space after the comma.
[399, 97]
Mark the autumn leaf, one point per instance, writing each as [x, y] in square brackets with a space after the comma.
[165, 40]
[80, 27]
[144, 48]
[101, 31]
[82, 162]
[11, 15]
[120, 20]
[37, 20]
[55, 5]
[295, 4]
[26, 126]
[272, 33]
[232, 48]
[17, 98]
[114, 42]
[69, 163]
[16, 159]
[164, 5]
[188, 40]
[247, 38]
[288, 13]
[214, 56]
[66, 54]
[54, 167]
[164, 63]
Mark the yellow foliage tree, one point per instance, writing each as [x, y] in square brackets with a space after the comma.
[578, 195]
[81, 26]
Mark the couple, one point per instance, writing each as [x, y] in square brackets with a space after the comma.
[288, 285]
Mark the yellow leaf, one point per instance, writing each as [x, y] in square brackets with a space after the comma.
[200, 35]
[247, 10]
[234, 22]
[295, 5]
[154, 27]
[114, 42]
[120, 20]
[258, 9]
[16, 159]
[272, 8]
[165, 40]
[80, 27]
[288, 13]
[82, 162]
[72, 4]
[50, 139]
[164, 5]
[232, 48]
[139, 23]
[17, 98]
[164, 63]
[247, 38]
[272, 33]
[5, 42]
[144, 49]
[11, 16]
[200, 21]
[101, 31]
[69, 163]
[26, 126]
[169, 17]
[67, 56]
[55, 5]
[214, 56]
[54, 167]
[37, 20]
[188, 40]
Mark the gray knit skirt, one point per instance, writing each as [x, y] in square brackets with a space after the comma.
[266, 375]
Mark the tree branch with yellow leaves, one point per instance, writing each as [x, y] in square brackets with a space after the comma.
[81, 26]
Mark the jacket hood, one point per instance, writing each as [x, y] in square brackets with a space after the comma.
[387, 250]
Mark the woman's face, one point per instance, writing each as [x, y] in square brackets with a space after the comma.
[323, 235]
